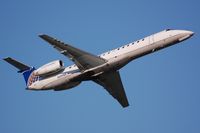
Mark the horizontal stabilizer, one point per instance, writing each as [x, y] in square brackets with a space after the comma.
[22, 67]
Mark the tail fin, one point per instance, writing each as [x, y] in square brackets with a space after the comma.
[24, 69]
[27, 74]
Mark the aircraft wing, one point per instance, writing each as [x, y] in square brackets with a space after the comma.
[112, 83]
[82, 59]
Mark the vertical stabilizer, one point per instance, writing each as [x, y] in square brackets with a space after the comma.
[27, 74]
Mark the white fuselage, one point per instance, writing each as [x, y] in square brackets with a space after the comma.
[116, 59]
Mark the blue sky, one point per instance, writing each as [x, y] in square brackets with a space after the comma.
[163, 88]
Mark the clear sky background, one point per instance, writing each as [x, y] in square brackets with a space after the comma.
[163, 88]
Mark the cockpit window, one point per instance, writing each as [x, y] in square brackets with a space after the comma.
[168, 29]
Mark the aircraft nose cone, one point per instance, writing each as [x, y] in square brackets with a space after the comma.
[185, 34]
[190, 33]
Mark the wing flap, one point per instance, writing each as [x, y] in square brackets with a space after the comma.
[112, 83]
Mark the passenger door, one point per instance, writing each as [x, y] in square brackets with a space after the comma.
[151, 39]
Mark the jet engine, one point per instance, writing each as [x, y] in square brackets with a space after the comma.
[50, 68]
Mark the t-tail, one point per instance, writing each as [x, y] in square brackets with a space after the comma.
[27, 71]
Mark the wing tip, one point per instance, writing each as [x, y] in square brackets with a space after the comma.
[42, 35]
[7, 58]
[124, 102]
[125, 105]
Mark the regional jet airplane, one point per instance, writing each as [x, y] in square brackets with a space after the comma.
[102, 69]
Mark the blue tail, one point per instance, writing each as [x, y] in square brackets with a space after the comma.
[27, 74]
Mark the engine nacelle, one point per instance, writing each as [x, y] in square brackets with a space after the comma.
[50, 68]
